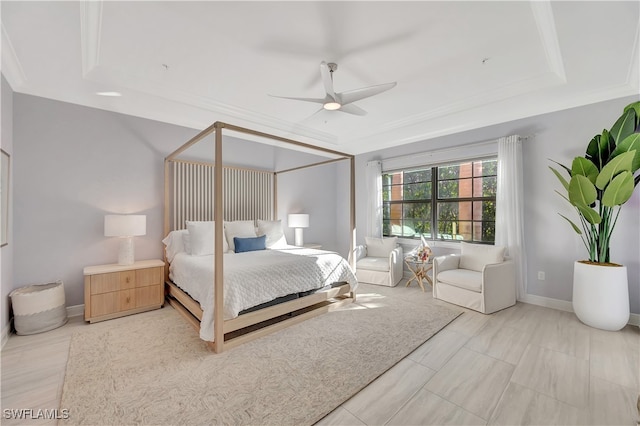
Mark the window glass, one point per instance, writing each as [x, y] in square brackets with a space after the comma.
[462, 208]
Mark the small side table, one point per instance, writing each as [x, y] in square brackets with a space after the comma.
[420, 271]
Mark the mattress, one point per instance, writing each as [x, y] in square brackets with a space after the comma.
[257, 277]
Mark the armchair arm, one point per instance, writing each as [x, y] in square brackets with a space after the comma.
[395, 264]
[360, 252]
[499, 285]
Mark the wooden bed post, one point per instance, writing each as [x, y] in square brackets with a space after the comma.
[218, 280]
[352, 216]
[166, 226]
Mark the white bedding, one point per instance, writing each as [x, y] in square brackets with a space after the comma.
[257, 277]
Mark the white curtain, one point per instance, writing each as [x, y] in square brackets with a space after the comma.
[374, 199]
[510, 207]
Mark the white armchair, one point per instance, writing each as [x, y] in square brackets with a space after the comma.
[480, 278]
[379, 262]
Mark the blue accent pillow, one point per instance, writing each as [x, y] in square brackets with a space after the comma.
[250, 244]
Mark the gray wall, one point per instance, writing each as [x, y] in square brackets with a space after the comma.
[76, 164]
[6, 252]
[551, 245]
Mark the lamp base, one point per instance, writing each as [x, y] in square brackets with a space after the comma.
[298, 240]
[126, 253]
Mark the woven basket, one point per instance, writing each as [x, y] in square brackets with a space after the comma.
[38, 308]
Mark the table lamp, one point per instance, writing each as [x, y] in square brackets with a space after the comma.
[298, 221]
[125, 226]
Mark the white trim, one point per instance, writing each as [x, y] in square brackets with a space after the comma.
[563, 305]
[11, 66]
[441, 156]
[90, 32]
[75, 310]
[543, 15]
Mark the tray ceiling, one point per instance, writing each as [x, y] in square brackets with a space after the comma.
[458, 65]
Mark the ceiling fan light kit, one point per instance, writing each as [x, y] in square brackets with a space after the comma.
[341, 101]
[331, 106]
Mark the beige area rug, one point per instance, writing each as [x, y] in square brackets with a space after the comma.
[153, 369]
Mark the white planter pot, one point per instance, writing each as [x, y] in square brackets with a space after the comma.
[601, 295]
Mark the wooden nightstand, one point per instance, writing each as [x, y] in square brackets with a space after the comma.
[313, 246]
[112, 291]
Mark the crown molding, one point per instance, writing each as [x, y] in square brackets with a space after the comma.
[90, 31]
[11, 67]
[543, 15]
[633, 75]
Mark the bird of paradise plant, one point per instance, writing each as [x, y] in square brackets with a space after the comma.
[603, 180]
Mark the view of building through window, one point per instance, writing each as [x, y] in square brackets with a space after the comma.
[457, 200]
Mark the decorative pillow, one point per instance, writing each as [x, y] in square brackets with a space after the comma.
[272, 229]
[475, 256]
[249, 244]
[380, 247]
[238, 228]
[201, 236]
[174, 243]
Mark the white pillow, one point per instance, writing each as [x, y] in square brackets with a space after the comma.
[475, 256]
[174, 243]
[273, 230]
[186, 241]
[238, 228]
[201, 234]
[380, 247]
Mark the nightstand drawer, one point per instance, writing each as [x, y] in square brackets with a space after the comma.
[113, 291]
[149, 276]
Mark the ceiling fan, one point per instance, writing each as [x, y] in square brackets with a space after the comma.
[341, 101]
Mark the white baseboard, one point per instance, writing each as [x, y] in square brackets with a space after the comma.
[75, 310]
[563, 305]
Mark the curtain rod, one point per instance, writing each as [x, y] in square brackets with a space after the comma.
[454, 148]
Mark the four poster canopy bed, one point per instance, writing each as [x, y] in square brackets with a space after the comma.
[229, 270]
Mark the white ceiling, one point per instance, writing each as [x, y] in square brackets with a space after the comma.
[459, 65]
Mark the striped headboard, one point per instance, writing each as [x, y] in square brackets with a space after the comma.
[247, 194]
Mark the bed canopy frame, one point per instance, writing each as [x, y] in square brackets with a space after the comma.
[229, 333]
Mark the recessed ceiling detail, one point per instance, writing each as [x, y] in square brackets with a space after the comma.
[173, 62]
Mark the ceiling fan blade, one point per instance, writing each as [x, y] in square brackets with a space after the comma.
[352, 109]
[326, 79]
[365, 92]
[316, 100]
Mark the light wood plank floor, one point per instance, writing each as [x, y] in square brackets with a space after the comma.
[523, 365]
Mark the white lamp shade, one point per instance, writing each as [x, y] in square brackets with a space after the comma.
[298, 221]
[125, 225]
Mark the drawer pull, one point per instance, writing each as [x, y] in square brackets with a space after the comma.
[127, 280]
[128, 299]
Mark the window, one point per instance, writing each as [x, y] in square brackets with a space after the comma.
[457, 200]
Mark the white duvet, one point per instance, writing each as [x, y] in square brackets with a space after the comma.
[257, 277]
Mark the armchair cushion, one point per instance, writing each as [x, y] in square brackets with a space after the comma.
[380, 247]
[476, 256]
[374, 264]
[462, 278]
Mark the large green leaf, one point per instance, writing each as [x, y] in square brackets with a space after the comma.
[619, 190]
[581, 191]
[589, 214]
[625, 126]
[634, 106]
[563, 166]
[621, 163]
[573, 225]
[600, 148]
[561, 178]
[584, 167]
[630, 143]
